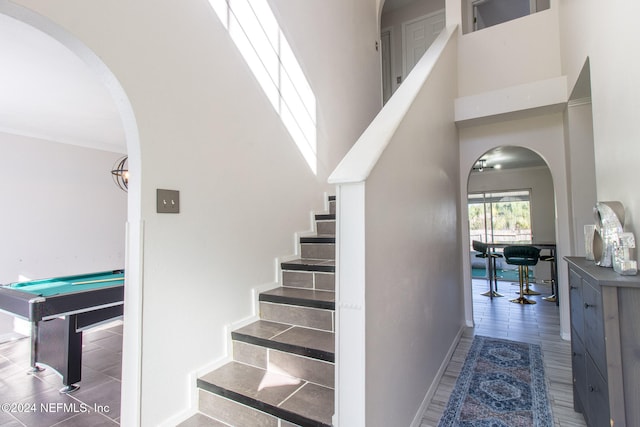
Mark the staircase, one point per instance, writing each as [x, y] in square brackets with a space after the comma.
[282, 373]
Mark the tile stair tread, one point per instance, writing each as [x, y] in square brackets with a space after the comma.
[313, 343]
[300, 296]
[313, 402]
[283, 396]
[307, 264]
[325, 217]
[319, 238]
[263, 329]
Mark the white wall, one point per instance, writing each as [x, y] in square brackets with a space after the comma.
[581, 169]
[542, 196]
[513, 53]
[413, 294]
[394, 19]
[206, 130]
[62, 213]
[588, 29]
[399, 300]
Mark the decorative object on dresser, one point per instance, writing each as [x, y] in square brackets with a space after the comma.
[589, 231]
[605, 342]
[607, 243]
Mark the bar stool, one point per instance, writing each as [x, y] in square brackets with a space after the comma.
[483, 250]
[523, 257]
[551, 257]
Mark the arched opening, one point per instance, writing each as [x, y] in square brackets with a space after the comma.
[132, 238]
[511, 201]
[545, 135]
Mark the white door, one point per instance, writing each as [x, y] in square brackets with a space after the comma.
[418, 36]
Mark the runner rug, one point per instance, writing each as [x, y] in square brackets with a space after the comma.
[502, 384]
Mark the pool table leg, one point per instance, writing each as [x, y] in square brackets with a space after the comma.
[34, 348]
[69, 389]
[60, 348]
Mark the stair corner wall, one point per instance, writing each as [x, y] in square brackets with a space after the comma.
[282, 369]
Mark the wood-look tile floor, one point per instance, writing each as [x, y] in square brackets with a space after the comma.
[539, 324]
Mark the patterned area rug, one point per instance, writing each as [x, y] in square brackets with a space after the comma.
[502, 384]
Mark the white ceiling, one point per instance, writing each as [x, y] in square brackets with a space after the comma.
[47, 92]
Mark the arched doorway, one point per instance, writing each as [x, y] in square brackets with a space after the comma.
[544, 135]
[538, 185]
[511, 200]
[133, 239]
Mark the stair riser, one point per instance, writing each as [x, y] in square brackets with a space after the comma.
[236, 414]
[309, 280]
[250, 354]
[233, 413]
[308, 369]
[326, 227]
[318, 250]
[296, 315]
[315, 371]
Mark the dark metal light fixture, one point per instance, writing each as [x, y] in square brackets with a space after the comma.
[120, 173]
[481, 165]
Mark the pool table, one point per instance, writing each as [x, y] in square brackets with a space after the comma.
[59, 309]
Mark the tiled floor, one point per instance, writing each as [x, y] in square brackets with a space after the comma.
[34, 400]
[539, 324]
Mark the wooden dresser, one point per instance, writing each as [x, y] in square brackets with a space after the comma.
[605, 343]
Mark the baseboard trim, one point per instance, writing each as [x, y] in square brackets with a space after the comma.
[434, 384]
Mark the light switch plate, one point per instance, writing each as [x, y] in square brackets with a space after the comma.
[167, 201]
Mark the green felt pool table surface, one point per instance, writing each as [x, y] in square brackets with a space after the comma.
[69, 284]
